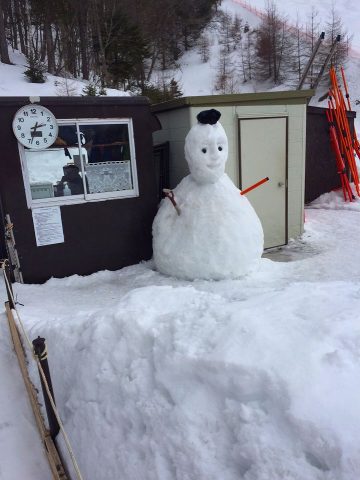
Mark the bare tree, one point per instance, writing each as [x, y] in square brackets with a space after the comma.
[273, 46]
[204, 48]
[335, 27]
[226, 73]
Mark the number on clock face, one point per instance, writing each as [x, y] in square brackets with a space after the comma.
[35, 127]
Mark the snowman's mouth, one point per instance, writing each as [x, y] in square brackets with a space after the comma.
[213, 165]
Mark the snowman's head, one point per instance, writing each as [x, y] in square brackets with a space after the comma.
[206, 148]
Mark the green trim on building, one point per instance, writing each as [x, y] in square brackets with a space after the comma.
[291, 97]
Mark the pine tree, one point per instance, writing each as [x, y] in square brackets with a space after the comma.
[36, 69]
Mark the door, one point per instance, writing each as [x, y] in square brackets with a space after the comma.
[161, 159]
[263, 153]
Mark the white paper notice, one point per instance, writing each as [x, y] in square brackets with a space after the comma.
[48, 226]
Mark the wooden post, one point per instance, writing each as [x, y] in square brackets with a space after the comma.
[41, 352]
[56, 466]
[8, 284]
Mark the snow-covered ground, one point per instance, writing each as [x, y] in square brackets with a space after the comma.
[254, 378]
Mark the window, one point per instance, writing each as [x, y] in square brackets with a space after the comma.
[90, 160]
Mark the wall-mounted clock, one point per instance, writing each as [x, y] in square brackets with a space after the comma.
[35, 127]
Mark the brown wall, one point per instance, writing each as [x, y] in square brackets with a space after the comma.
[321, 173]
[98, 235]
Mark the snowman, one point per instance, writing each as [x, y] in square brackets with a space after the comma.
[214, 232]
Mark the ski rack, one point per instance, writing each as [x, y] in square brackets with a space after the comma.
[339, 157]
[315, 80]
[348, 142]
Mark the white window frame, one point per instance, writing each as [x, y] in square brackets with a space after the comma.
[84, 197]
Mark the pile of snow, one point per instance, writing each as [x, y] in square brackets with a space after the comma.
[334, 200]
[254, 378]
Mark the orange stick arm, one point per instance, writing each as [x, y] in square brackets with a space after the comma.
[257, 184]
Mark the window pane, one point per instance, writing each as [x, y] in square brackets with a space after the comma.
[56, 171]
[107, 163]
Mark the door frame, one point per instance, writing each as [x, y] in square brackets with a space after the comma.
[269, 117]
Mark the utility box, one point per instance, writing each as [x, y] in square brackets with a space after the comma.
[86, 203]
[267, 138]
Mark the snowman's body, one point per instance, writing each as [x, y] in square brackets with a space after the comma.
[217, 234]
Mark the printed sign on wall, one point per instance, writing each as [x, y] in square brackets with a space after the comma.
[48, 226]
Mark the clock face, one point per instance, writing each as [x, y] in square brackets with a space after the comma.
[35, 127]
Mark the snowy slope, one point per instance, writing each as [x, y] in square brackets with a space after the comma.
[197, 78]
[348, 10]
[14, 83]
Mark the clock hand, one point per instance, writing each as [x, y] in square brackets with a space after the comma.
[33, 133]
[36, 126]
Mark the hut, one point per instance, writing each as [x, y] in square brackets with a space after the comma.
[267, 138]
[85, 200]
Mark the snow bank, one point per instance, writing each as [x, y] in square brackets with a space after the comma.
[254, 378]
[334, 200]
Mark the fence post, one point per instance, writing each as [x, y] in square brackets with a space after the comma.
[8, 283]
[40, 351]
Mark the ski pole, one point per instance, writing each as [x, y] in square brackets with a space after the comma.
[257, 184]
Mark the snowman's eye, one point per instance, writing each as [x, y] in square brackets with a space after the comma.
[219, 148]
[204, 150]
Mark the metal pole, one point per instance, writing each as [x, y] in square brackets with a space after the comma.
[327, 60]
[8, 284]
[40, 351]
[310, 61]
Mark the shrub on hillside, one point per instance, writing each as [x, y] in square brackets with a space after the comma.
[36, 70]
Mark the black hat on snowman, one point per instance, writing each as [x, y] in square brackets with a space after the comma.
[209, 117]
